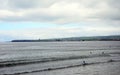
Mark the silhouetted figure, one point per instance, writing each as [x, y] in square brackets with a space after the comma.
[90, 52]
[84, 63]
[110, 60]
[103, 53]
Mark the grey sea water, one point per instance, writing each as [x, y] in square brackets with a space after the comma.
[31, 57]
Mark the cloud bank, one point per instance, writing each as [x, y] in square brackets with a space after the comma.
[93, 17]
[59, 11]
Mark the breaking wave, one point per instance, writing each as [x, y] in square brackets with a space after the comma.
[64, 67]
[24, 62]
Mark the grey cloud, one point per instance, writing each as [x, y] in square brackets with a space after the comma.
[22, 3]
[32, 17]
[13, 19]
[107, 15]
[114, 3]
[27, 4]
[60, 10]
[3, 4]
[42, 16]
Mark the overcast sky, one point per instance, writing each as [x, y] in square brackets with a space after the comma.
[34, 19]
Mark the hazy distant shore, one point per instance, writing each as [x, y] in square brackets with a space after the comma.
[94, 38]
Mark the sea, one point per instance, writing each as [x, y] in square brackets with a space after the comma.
[19, 58]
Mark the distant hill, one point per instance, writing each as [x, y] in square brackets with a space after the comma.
[91, 38]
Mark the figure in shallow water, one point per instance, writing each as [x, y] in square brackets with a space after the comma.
[103, 53]
[84, 63]
[90, 52]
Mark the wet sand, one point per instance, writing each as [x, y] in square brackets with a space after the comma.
[111, 68]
